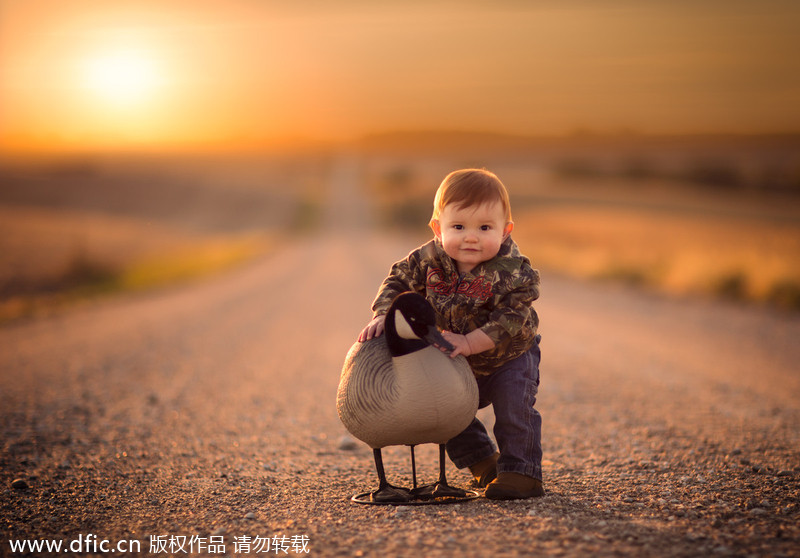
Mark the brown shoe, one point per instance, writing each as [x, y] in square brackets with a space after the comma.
[485, 470]
[514, 486]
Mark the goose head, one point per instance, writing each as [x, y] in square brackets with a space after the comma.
[411, 325]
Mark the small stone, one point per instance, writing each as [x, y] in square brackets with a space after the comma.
[219, 531]
[347, 443]
[250, 515]
[19, 484]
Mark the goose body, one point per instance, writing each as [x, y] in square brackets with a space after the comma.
[419, 398]
[399, 389]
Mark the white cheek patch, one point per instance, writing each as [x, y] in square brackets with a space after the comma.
[403, 328]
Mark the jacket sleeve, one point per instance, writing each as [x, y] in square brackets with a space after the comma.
[405, 275]
[513, 322]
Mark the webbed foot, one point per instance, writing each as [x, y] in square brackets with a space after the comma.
[391, 494]
[438, 490]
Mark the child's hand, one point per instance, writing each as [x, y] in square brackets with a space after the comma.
[473, 342]
[458, 341]
[373, 329]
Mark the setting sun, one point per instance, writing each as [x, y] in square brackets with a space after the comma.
[168, 73]
[123, 77]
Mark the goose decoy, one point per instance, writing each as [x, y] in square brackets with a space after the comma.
[400, 389]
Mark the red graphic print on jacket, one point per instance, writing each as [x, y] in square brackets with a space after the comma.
[478, 288]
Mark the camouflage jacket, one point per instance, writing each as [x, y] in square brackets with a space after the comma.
[496, 296]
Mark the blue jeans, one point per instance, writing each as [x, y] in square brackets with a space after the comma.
[512, 391]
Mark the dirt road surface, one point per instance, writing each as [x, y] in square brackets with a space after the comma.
[204, 417]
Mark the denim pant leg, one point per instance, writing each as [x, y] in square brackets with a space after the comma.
[472, 445]
[518, 425]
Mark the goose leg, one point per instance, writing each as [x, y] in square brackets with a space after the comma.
[439, 489]
[386, 492]
[413, 470]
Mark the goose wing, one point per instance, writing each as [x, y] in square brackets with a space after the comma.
[367, 390]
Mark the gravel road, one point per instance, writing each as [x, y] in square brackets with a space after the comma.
[206, 414]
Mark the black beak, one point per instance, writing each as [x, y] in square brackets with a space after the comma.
[435, 338]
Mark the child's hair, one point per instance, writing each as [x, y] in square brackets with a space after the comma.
[468, 188]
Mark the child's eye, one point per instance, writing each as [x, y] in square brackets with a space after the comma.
[458, 227]
[486, 227]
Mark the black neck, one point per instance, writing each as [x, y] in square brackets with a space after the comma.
[397, 345]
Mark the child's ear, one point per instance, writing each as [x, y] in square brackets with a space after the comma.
[436, 227]
[507, 230]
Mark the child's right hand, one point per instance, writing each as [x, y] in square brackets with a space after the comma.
[373, 329]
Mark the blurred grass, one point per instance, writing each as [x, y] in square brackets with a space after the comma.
[206, 258]
[734, 259]
[75, 231]
[86, 277]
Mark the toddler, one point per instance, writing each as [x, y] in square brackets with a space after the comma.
[482, 289]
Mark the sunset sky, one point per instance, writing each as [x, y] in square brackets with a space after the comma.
[89, 74]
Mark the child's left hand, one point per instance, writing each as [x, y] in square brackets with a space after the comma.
[469, 344]
[458, 341]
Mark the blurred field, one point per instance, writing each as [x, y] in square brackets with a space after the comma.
[77, 229]
[712, 219]
[672, 252]
[52, 257]
[715, 222]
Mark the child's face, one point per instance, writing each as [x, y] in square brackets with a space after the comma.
[471, 235]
